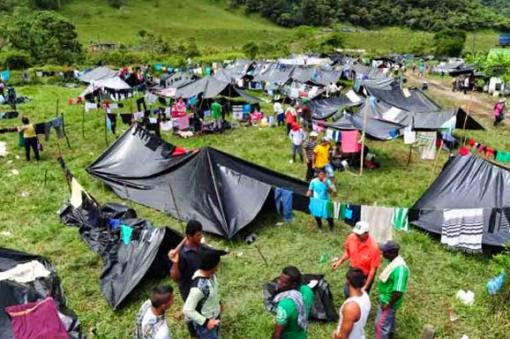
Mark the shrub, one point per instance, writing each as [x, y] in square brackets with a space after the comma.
[15, 60]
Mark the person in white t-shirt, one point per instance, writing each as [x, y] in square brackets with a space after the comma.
[296, 135]
[279, 113]
[355, 310]
[150, 319]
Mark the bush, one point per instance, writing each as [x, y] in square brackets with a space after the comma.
[15, 60]
[116, 3]
[449, 42]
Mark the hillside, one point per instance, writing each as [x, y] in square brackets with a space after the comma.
[416, 14]
[208, 22]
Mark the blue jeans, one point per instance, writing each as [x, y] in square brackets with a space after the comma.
[204, 333]
[385, 323]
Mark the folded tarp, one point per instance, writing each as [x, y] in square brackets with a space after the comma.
[99, 73]
[375, 128]
[323, 109]
[468, 182]
[221, 191]
[16, 292]
[124, 265]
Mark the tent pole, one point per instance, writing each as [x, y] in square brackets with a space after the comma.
[365, 118]
[410, 155]
[465, 120]
[83, 123]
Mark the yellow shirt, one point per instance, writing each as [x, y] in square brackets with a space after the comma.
[321, 153]
[28, 131]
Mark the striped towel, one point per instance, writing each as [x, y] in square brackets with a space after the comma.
[463, 229]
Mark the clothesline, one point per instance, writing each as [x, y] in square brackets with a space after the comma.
[498, 155]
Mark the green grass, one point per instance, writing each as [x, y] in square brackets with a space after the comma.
[436, 274]
[207, 21]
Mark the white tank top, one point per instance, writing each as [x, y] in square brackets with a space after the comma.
[358, 329]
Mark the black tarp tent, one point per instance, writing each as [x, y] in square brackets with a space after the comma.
[221, 191]
[433, 120]
[375, 128]
[124, 265]
[411, 100]
[15, 293]
[325, 108]
[468, 182]
[274, 73]
[315, 75]
[99, 73]
[212, 87]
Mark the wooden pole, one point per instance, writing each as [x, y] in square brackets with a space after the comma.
[261, 255]
[83, 123]
[365, 119]
[410, 155]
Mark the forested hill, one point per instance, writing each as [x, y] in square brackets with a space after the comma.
[430, 15]
[502, 6]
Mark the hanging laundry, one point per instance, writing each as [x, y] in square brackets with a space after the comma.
[399, 219]
[127, 119]
[57, 124]
[111, 122]
[140, 105]
[380, 222]
[350, 142]
[409, 136]
[125, 234]
[283, 200]
[337, 210]
[427, 142]
[37, 320]
[89, 106]
[334, 135]
[352, 214]
[138, 115]
[463, 229]
[166, 125]
[502, 156]
[320, 208]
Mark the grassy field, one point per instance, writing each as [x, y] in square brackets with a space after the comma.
[436, 274]
[207, 21]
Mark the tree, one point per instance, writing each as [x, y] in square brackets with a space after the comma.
[449, 42]
[46, 4]
[46, 36]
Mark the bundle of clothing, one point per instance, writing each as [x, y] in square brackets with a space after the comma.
[32, 302]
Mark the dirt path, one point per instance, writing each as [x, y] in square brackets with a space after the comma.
[474, 102]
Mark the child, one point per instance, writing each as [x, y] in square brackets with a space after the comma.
[30, 138]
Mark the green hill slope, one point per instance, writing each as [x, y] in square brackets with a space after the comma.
[209, 22]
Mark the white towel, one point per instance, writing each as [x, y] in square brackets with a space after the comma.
[379, 220]
[385, 274]
[463, 229]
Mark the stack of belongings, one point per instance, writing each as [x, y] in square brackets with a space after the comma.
[131, 248]
[32, 301]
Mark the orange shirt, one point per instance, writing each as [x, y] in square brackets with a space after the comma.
[363, 255]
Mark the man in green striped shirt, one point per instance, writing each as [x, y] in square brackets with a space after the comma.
[392, 284]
